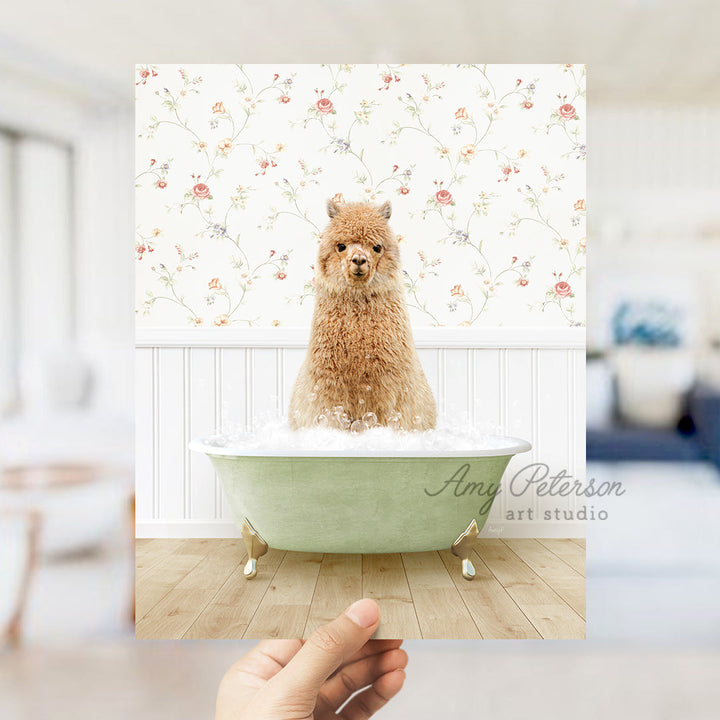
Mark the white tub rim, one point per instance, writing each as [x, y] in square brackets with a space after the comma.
[513, 446]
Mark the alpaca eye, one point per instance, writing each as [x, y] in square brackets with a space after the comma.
[340, 247]
[377, 248]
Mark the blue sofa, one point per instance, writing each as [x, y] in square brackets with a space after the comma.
[697, 437]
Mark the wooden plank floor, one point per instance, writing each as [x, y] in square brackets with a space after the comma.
[522, 589]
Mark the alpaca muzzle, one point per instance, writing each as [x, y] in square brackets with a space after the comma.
[359, 266]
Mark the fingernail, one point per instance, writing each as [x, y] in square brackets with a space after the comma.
[364, 613]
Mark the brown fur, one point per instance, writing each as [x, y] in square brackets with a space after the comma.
[361, 332]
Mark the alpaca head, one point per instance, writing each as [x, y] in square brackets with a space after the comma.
[358, 250]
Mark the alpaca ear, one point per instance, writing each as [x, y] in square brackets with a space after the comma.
[332, 208]
[385, 209]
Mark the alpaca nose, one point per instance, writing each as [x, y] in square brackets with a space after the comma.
[358, 260]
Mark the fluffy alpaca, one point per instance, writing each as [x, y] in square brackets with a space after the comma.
[361, 354]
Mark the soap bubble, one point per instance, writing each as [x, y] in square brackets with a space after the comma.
[361, 401]
[370, 419]
[321, 420]
[368, 388]
[394, 422]
[417, 420]
[312, 396]
[339, 419]
[358, 426]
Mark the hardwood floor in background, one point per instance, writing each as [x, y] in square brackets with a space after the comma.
[522, 589]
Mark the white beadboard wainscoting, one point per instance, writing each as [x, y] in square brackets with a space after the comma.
[527, 382]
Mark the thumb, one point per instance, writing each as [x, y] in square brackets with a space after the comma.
[327, 648]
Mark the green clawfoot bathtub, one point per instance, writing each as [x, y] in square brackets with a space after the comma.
[359, 502]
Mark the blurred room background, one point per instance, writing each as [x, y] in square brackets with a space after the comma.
[66, 342]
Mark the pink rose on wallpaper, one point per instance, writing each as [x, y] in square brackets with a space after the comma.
[225, 146]
[567, 111]
[562, 289]
[507, 171]
[404, 190]
[324, 106]
[338, 198]
[468, 151]
[161, 184]
[218, 107]
[580, 205]
[144, 74]
[457, 291]
[281, 275]
[522, 282]
[215, 284]
[443, 197]
[461, 114]
[222, 320]
[527, 105]
[284, 98]
[201, 191]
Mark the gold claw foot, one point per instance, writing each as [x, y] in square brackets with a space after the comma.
[256, 547]
[463, 548]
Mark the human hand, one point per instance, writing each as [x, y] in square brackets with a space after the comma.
[311, 680]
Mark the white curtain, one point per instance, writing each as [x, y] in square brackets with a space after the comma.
[37, 275]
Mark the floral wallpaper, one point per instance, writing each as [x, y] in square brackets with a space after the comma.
[484, 165]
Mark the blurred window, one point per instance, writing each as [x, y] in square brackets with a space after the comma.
[37, 278]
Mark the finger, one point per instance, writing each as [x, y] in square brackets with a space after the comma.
[368, 702]
[328, 648]
[280, 651]
[266, 659]
[249, 674]
[358, 675]
[374, 647]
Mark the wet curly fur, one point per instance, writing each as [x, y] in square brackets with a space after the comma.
[361, 334]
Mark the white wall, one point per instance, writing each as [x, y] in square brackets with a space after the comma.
[654, 195]
[190, 383]
[104, 257]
